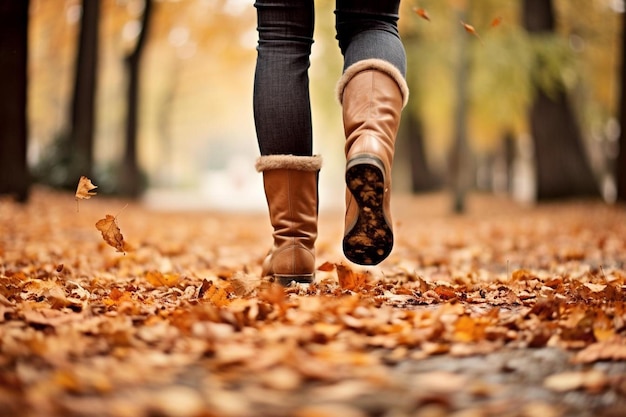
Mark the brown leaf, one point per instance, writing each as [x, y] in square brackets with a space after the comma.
[348, 279]
[445, 292]
[591, 380]
[111, 233]
[608, 351]
[217, 296]
[85, 188]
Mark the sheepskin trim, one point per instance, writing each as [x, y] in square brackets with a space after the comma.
[298, 163]
[377, 64]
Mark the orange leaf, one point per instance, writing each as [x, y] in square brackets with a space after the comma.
[85, 188]
[326, 267]
[496, 21]
[348, 279]
[217, 296]
[159, 279]
[111, 233]
[470, 29]
[421, 13]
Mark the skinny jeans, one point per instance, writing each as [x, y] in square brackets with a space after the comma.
[365, 29]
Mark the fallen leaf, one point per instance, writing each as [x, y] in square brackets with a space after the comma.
[607, 351]
[591, 380]
[159, 279]
[111, 233]
[216, 295]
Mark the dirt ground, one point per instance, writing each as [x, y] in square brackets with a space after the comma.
[508, 310]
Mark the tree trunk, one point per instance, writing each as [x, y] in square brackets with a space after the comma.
[14, 173]
[620, 174]
[459, 165]
[562, 167]
[84, 97]
[131, 183]
[412, 137]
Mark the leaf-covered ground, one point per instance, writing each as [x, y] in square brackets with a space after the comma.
[507, 311]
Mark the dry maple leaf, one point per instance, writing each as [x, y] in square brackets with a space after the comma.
[422, 13]
[348, 279]
[111, 233]
[85, 188]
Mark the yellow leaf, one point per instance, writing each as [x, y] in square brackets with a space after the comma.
[159, 279]
[85, 188]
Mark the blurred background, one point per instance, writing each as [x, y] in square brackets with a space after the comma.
[152, 99]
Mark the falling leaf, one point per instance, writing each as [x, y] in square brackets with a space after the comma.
[422, 13]
[326, 267]
[348, 279]
[496, 21]
[471, 30]
[111, 233]
[85, 188]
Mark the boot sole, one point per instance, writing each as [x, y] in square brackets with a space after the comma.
[286, 280]
[370, 240]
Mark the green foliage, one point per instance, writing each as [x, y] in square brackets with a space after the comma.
[554, 66]
[506, 65]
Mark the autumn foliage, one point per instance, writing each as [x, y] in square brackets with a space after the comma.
[184, 325]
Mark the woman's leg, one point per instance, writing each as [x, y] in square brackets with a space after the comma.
[282, 114]
[282, 110]
[368, 29]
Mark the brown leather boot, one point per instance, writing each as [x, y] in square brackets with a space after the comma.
[290, 184]
[372, 93]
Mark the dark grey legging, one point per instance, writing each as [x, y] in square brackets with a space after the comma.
[282, 110]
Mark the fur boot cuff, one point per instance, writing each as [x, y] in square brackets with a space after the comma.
[297, 163]
[376, 64]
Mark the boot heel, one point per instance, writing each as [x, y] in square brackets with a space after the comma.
[370, 239]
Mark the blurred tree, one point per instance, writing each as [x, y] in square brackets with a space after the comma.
[14, 174]
[621, 157]
[459, 153]
[71, 153]
[130, 182]
[562, 168]
[411, 139]
[84, 96]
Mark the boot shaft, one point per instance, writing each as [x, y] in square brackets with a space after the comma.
[290, 184]
[372, 94]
